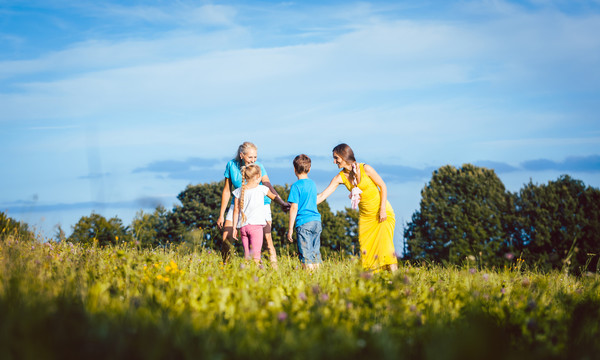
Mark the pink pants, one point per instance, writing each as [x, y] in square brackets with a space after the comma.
[252, 239]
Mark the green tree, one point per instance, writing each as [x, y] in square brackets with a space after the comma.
[149, 228]
[199, 209]
[11, 228]
[461, 215]
[97, 229]
[557, 224]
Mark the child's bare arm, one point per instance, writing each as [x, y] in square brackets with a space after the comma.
[236, 214]
[277, 199]
[293, 214]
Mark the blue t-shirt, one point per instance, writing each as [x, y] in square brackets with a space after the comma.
[234, 173]
[304, 193]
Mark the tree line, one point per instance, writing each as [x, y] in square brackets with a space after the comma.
[465, 215]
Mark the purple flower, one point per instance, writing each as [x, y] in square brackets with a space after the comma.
[324, 297]
[509, 256]
[472, 270]
[282, 316]
[486, 277]
[302, 296]
[503, 290]
[366, 275]
[209, 278]
[255, 278]
[413, 308]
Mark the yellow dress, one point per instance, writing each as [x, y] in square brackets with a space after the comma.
[376, 239]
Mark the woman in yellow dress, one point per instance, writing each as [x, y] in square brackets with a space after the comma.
[376, 220]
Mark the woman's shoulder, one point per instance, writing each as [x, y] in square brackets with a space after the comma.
[231, 164]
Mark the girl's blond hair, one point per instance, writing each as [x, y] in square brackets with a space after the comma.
[248, 172]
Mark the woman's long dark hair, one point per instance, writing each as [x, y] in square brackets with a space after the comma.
[345, 152]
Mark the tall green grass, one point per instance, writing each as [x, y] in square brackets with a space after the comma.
[67, 301]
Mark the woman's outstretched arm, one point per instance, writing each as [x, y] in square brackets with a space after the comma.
[335, 182]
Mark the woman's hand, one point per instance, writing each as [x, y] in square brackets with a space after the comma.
[382, 215]
[220, 221]
[234, 234]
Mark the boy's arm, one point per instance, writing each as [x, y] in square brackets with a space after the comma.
[293, 213]
[236, 214]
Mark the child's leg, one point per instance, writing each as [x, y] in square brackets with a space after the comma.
[268, 237]
[316, 245]
[244, 232]
[303, 236]
[255, 233]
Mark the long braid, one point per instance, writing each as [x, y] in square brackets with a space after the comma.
[244, 182]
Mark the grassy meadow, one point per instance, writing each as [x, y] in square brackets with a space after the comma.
[63, 301]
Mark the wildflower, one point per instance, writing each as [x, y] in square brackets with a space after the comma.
[525, 282]
[324, 297]
[413, 308]
[485, 277]
[472, 270]
[255, 278]
[471, 257]
[302, 296]
[509, 256]
[376, 328]
[282, 316]
[503, 291]
[209, 278]
[366, 275]
[406, 280]
[316, 289]
[242, 266]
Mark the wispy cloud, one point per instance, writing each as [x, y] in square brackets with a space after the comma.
[585, 164]
[29, 207]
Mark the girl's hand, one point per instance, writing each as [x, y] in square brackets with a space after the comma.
[289, 236]
[220, 221]
[382, 215]
[234, 234]
[285, 207]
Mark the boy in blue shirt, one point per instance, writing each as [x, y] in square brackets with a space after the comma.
[304, 214]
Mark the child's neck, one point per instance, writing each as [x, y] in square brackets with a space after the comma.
[252, 184]
[302, 176]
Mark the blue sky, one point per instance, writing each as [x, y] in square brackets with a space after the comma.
[114, 107]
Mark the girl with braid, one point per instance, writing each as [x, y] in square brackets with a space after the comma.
[249, 211]
[245, 155]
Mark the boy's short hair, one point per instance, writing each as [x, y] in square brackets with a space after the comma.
[302, 164]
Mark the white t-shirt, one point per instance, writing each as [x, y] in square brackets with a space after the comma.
[254, 205]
